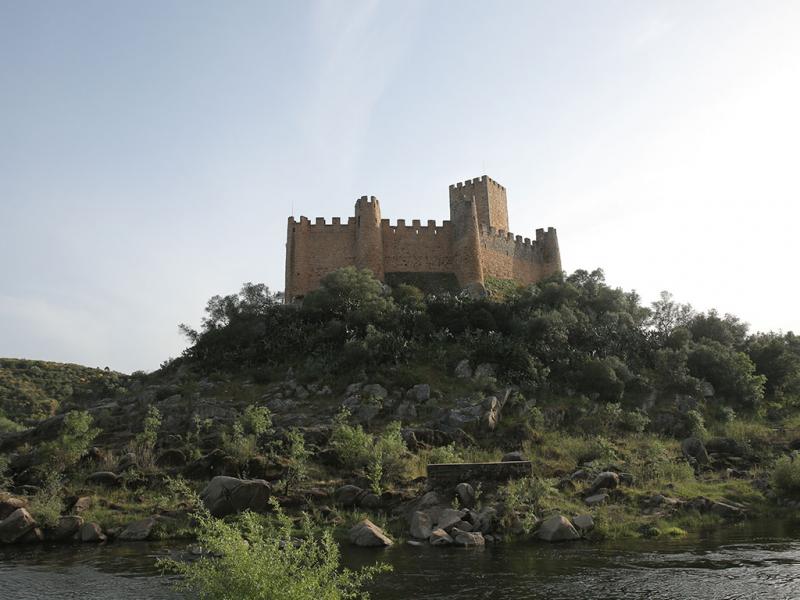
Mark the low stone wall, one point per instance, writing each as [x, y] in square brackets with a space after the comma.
[442, 475]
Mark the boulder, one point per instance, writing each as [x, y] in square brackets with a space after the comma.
[449, 517]
[370, 501]
[583, 523]
[33, 536]
[607, 480]
[374, 390]
[515, 456]
[484, 371]
[439, 537]
[128, 461]
[171, 458]
[596, 499]
[725, 445]
[468, 539]
[557, 529]
[65, 529]
[9, 504]
[406, 411]
[421, 526]
[694, 450]
[368, 535]
[466, 495]
[463, 370]
[227, 495]
[91, 532]
[16, 525]
[83, 503]
[104, 478]
[420, 392]
[348, 495]
[138, 531]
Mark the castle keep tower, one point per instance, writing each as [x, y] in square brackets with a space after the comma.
[473, 245]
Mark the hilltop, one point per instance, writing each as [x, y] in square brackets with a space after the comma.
[685, 419]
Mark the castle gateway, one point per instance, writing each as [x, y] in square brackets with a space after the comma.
[473, 245]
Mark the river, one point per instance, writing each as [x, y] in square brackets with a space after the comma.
[752, 561]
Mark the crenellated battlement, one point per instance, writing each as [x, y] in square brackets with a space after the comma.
[475, 181]
[320, 222]
[473, 244]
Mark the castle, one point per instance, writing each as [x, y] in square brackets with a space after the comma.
[473, 245]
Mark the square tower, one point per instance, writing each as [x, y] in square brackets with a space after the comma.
[490, 201]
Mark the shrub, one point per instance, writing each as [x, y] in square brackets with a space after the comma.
[265, 560]
[72, 443]
[46, 504]
[241, 442]
[635, 421]
[381, 458]
[786, 477]
[296, 460]
[143, 444]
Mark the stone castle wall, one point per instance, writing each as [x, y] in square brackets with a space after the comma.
[471, 246]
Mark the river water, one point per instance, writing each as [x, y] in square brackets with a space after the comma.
[751, 561]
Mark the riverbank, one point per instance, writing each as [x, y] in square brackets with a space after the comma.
[755, 559]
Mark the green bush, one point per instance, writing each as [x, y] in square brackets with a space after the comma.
[262, 559]
[241, 442]
[46, 504]
[143, 444]
[382, 458]
[74, 440]
[786, 477]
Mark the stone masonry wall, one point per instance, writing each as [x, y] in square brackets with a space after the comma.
[469, 246]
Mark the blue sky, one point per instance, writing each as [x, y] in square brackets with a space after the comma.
[150, 152]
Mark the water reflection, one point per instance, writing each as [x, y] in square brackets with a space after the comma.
[757, 560]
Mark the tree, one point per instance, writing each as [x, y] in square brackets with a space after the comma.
[731, 372]
[73, 442]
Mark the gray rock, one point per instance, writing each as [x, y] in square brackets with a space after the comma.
[463, 370]
[421, 526]
[104, 478]
[607, 480]
[557, 529]
[466, 495]
[227, 495]
[91, 532]
[366, 534]
[10, 504]
[16, 525]
[583, 523]
[128, 461]
[171, 458]
[66, 528]
[138, 531]
[421, 392]
[406, 410]
[439, 537]
[484, 371]
[448, 518]
[725, 445]
[694, 450]
[348, 495]
[515, 456]
[370, 501]
[596, 499]
[374, 390]
[468, 539]
[353, 388]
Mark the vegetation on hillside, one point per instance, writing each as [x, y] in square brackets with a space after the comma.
[31, 390]
[563, 336]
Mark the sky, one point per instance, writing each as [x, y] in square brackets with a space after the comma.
[151, 152]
